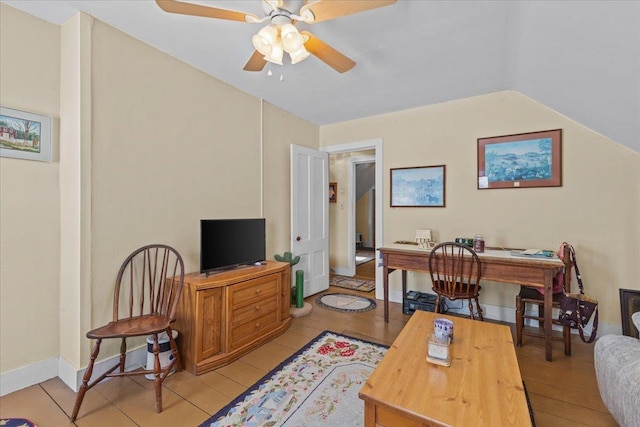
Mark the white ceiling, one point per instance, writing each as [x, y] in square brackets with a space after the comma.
[581, 58]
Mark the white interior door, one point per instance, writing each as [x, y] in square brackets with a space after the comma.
[310, 216]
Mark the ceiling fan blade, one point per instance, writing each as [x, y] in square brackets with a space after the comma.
[183, 8]
[256, 62]
[327, 54]
[325, 10]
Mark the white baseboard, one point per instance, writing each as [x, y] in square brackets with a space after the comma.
[73, 377]
[28, 375]
[60, 367]
[507, 314]
[342, 271]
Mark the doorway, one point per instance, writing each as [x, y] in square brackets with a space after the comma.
[343, 248]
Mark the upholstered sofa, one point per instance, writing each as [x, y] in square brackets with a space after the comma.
[617, 363]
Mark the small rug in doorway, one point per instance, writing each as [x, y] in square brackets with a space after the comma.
[352, 283]
[364, 256]
[318, 385]
[346, 303]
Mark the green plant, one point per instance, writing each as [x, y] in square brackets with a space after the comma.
[287, 257]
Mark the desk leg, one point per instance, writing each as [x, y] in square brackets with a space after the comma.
[404, 284]
[385, 286]
[548, 304]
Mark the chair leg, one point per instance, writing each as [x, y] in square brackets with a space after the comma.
[437, 303]
[123, 354]
[566, 333]
[540, 316]
[174, 350]
[479, 310]
[519, 320]
[473, 317]
[157, 371]
[85, 381]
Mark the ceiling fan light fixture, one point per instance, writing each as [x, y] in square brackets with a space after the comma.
[299, 55]
[276, 54]
[265, 40]
[292, 40]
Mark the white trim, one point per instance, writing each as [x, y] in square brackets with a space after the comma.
[508, 314]
[136, 358]
[59, 367]
[28, 375]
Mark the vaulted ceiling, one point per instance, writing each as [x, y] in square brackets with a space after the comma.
[580, 58]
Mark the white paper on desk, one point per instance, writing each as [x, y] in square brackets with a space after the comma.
[531, 252]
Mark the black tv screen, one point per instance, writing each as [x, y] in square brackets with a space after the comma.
[227, 243]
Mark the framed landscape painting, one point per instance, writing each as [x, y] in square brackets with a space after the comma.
[523, 160]
[418, 186]
[25, 135]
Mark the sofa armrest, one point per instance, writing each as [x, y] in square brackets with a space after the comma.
[617, 365]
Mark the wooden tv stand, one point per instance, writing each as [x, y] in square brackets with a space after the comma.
[227, 314]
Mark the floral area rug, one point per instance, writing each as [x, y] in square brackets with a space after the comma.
[352, 283]
[318, 385]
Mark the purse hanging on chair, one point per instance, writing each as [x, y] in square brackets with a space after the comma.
[577, 309]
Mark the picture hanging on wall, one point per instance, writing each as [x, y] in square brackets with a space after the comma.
[523, 160]
[25, 135]
[418, 187]
[333, 192]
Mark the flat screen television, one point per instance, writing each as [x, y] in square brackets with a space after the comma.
[228, 243]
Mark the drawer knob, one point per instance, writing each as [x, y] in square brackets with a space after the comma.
[257, 325]
[258, 291]
[257, 308]
[209, 322]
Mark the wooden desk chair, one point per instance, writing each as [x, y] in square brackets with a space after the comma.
[455, 274]
[529, 295]
[145, 302]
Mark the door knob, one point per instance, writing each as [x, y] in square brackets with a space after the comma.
[298, 239]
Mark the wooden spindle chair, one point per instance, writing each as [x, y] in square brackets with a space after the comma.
[147, 291]
[529, 295]
[455, 274]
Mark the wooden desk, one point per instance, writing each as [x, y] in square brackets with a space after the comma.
[497, 266]
[482, 387]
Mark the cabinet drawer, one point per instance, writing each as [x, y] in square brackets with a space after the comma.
[254, 290]
[254, 310]
[247, 332]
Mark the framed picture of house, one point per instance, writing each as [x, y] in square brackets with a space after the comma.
[25, 135]
[422, 186]
[518, 161]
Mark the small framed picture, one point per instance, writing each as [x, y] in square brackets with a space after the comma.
[25, 135]
[333, 192]
[517, 161]
[422, 186]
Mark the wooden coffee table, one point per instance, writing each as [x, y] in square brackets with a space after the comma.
[481, 387]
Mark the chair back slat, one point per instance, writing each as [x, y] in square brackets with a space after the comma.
[144, 285]
[455, 270]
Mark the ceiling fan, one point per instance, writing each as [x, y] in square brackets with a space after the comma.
[281, 35]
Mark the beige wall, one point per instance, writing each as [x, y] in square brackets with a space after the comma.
[597, 208]
[280, 130]
[362, 216]
[167, 145]
[29, 197]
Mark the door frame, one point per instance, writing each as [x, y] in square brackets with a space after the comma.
[372, 144]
